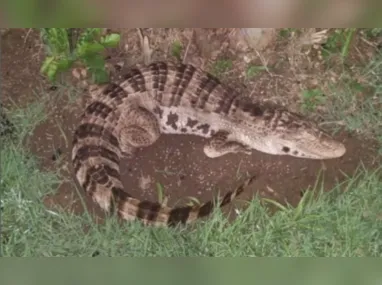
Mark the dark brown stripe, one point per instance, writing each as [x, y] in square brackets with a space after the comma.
[115, 92]
[92, 188]
[118, 199]
[205, 88]
[120, 194]
[226, 102]
[100, 174]
[112, 172]
[158, 73]
[257, 110]
[87, 181]
[87, 151]
[154, 71]
[177, 81]
[135, 79]
[179, 215]
[163, 72]
[252, 108]
[184, 76]
[98, 109]
[92, 130]
[111, 88]
[227, 198]
[206, 209]
[148, 210]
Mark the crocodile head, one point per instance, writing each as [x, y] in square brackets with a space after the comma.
[296, 136]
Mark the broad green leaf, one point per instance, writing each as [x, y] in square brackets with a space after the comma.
[64, 63]
[111, 40]
[94, 61]
[95, 48]
[96, 65]
[87, 49]
[56, 41]
[89, 35]
[48, 60]
[100, 76]
[63, 40]
[52, 71]
[97, 31]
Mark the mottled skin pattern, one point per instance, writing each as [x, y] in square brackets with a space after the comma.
[179, 99]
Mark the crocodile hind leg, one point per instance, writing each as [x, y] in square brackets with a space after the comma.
[139, 128]
[220, 145]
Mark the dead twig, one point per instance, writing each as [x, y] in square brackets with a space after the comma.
[188, 46]
[145, 47]
[27, 35]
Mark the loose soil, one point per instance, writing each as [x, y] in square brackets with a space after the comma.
[175, 162]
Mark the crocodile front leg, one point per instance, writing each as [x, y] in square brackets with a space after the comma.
[220, 145]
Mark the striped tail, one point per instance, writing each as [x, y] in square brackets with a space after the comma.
[156, 214]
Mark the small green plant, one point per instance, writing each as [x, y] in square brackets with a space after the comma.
[253, 70]
[176, 49]
[311, 99]
[286, 33]
[221, 66]
[338, 42]
[373, 33]
[62, 53]
[355, 86]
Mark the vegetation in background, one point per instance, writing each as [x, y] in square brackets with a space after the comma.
[286, 33]
[373, 33]
[221, 66]
[63, 52]
[356, 102]
[311, 99]
[176, 49]
[338, 42]
[253, 70]
[64, 13]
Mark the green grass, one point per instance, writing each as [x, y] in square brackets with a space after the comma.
[358, 102]
[253, 70]
[338, 42]
[311, 99]
[334, 224]
[285, 33]
[221, 66]
[372, 33]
